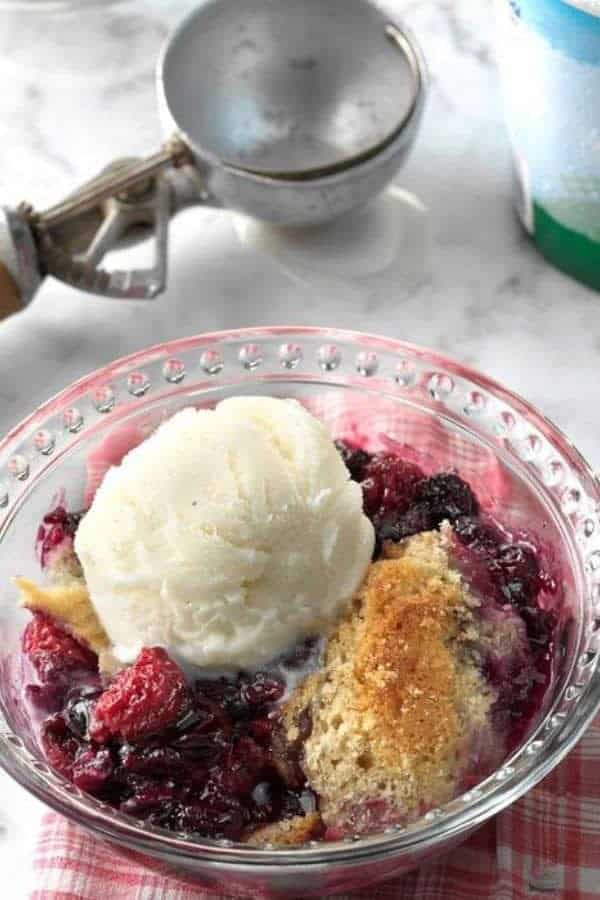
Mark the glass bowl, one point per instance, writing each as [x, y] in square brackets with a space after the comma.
[520, 464]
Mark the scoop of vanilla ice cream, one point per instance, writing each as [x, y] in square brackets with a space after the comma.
[226, 536]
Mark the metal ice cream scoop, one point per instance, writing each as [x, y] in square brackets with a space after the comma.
[290, 112]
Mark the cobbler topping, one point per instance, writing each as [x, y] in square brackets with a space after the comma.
[436, 670]
[288, 832]
[404, 663]
[396, 708]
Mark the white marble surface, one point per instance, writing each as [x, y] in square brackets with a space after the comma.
[452, 270]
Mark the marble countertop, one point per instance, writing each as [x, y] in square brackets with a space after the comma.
[443, 263]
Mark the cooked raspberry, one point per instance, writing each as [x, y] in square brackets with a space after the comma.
[389, 485]
[143, 699]
[54, 653]
[57, 526]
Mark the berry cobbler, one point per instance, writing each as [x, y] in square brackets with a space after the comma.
[258, 634]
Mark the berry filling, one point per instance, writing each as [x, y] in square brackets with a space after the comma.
[206, 758]
[503, 571]
[56, 531]
[210, 756]
[507, 575]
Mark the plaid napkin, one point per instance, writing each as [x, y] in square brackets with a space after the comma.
[544, 847]
[547, 845]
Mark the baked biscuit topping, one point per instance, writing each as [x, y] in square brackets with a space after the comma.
[396, 706]
[67, 601]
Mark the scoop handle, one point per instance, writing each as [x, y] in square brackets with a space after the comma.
[10, 299]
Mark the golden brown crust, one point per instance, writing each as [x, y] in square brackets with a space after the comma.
[403, 666]
[397, 700]
[70, 603]
[288, 832]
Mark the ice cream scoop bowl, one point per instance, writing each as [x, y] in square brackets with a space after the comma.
[291, 113]
[391, 394]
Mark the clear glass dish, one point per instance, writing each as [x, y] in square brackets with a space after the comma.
[398, 393]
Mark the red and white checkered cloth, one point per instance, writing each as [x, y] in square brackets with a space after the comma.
[544, 847]
[547, 845]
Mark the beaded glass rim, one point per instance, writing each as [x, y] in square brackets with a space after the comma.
[396, 369]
